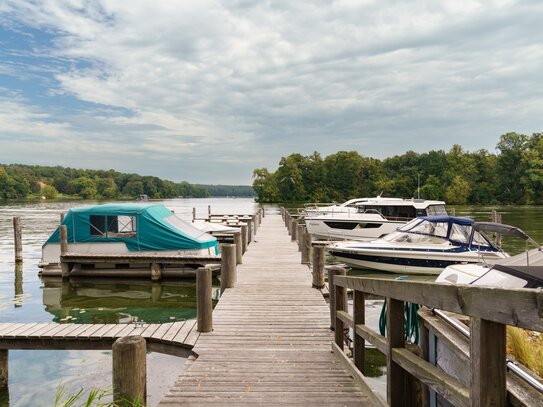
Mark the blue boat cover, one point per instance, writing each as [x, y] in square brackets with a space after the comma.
[149, 229]
[449, 219]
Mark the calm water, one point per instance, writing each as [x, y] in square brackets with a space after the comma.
[25, 297]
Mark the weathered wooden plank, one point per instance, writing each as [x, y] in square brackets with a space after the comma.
[159, 333]
[174, 329]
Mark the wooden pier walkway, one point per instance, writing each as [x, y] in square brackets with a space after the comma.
[271, 343]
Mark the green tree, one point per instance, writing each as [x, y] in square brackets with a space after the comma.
[133, 188]
[49, 192]
[510, 168]
[458, 191]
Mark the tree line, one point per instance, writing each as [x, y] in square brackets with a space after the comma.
[514, 175]
[19, 181]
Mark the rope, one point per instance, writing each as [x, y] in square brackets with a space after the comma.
[411, 322]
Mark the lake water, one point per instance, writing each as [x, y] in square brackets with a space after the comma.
[35, 376]
[25, 297]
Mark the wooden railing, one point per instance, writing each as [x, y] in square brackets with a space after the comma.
[490, 309]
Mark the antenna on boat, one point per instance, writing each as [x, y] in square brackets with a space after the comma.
[418, 186]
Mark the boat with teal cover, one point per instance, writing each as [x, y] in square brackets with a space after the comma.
[127, 228]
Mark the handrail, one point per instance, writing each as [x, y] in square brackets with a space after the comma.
[491, 310]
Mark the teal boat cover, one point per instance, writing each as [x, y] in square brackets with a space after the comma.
[141, 227]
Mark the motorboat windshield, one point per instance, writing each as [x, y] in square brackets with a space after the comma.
[439, 230]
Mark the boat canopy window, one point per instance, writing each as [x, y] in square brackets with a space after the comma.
[111, 226]
[425, 227]
[436, 210]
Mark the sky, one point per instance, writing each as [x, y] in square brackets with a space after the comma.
[206, 91]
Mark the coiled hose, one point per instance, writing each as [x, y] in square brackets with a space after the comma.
[411, 322]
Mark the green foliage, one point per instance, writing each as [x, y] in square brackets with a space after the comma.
[18, 181]
[514, 175]
[95, 397]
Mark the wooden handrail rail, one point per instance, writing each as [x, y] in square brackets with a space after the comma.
[490, 308]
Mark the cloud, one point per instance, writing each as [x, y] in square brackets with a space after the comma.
[246, 82]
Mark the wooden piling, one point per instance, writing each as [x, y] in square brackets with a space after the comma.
[129, 371]
[306, 246]
[18, 241]
[156, 271]
[193, 214]
[293, 230]
[332, 272]
[209, 211]
[18, 282]
[249, 231]
[255, 223]
[65, 267]
[4, 356]
[228, 266]
[300, 236]
[239, 247]
[318, 268]
[62, 216]
[204, 308]
[244, 232]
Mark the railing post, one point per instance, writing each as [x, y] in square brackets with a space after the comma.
[318, 268]
[332, 272]
[129, 371]
[293, 230]
[228, 266]
[396, 376]
[424, 345]
[4, 372]
[305, 245]
[487, 359]
[239, 246]
[65, 267]
[339, 305]
[359, 318]
[18, 241]
[244, 232]
[204, 307]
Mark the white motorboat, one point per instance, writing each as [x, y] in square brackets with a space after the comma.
[524, 270]
[371, 218]
[316, 209]
[426, 245]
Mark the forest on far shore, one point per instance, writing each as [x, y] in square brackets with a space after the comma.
[514, 175]
[19, 181]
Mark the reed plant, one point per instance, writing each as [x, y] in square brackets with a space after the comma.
[94, 397]
[526, 347]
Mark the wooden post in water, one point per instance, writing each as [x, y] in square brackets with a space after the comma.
[204, 308]
[487, 359]
[244, 232]
[156, 272]
[18, 283]
[228, 266]
[209, 211]
[239, 246]
[129, 371]
[18, 241]
[63, 215]
[193, 214]
[396, 376]
[293, 230]
[318, 268]
[497, 218]
[65, 267]
[4, 373]
[332, 272]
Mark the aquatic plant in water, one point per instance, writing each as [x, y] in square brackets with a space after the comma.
[94, 397]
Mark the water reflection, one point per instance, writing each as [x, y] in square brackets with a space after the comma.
[107, 301]
[18, 297]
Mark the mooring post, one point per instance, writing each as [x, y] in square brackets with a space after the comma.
[249, 231]
[306, 243]
[287, 221]
[18, 241]
[300, 236]
[193, 214]
[209, 212]
[64, 266]
[318, 268]
[263, 212]
[244, 231]
[18, 283]
[62, 216]
[4, 353]
[129, 371]
[204, 307]
[239, 246]
[228, 266]
[255, 223]
[294, 230]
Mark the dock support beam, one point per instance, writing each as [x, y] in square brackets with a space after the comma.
[65, 267]
[332, 272]
[204, 308]
[18, 241]
[129, 371]
[239, 246]
[228, 266]
[4, 353]
[318, 269]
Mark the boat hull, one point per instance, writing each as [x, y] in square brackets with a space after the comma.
[350, 229]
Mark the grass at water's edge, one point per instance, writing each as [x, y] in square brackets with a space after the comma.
[526, 347]
[94, 397]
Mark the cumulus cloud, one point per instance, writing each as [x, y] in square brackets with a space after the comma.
[241, 83]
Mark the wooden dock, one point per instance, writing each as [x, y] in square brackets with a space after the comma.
[173, 337]
[271, 343]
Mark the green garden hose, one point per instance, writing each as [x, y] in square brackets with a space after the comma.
[411, 322]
